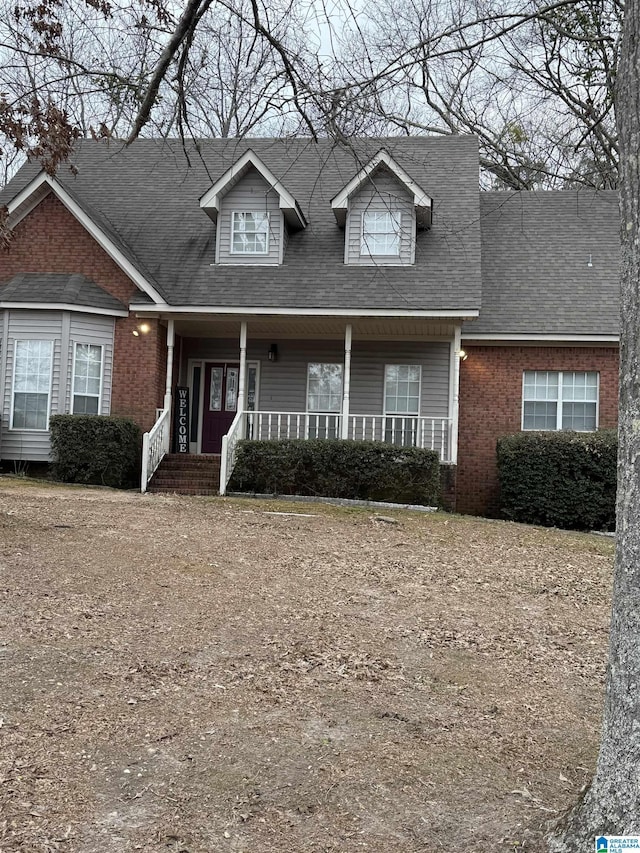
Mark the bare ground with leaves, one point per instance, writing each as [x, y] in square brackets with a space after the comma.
[192, 674]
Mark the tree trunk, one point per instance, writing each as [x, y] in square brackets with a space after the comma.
[611, 806]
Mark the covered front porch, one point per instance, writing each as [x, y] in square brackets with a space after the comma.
[306, 377]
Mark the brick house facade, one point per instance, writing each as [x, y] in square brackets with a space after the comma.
[51, 240]
[332, 301]
[491, 406]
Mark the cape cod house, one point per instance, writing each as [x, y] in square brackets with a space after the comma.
[291, 288]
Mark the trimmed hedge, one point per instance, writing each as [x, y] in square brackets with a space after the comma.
[559, 479]
[360, 470]
[95, 449]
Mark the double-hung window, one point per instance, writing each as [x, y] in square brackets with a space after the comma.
[250, 233]
[324, 390]
[324, 399]
[402, 403]
[557, 399]
[380, 233]
[32, 384]
[87, 379]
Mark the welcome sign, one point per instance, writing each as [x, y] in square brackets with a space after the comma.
[181, 421]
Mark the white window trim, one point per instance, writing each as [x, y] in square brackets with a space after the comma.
[13, 384]
[559, 401]
[233, 251]
[323, 412]
[365, 251]
[73, 375]
[388, 413]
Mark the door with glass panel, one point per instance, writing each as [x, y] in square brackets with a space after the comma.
[221, 383]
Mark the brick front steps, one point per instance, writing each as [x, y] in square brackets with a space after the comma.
[187, 474]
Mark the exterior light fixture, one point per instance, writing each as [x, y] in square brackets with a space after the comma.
[141, 329]
[462, 355]
[273, 352]
[589, 262]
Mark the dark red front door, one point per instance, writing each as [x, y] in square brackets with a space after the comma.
[220, 403]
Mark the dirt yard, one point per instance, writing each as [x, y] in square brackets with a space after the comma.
[194, 674]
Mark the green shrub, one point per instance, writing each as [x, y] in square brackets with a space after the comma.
[361, 470]
[560, 479]
[95, 449]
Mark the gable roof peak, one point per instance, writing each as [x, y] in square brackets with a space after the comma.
[42, 185]
[422, 202]
[211, 200]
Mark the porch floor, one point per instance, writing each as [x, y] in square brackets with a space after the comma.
[187, 474]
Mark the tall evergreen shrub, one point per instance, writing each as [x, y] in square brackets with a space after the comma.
[95, 449]
[559, 479]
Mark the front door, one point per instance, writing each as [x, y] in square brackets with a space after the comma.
[220, 403]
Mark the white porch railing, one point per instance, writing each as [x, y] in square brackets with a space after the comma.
[401, 430]
[228, 452]
[155, 444]
[264, 426]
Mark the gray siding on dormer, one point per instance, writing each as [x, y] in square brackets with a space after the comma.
[250, 194]
[64, 328]
[382, 193]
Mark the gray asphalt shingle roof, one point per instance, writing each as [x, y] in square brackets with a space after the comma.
[520, 257]
[536, 249]
[58, 289]
[147, 198]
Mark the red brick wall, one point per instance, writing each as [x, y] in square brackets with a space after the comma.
[50, 239]
[139, 371]
[491, 406]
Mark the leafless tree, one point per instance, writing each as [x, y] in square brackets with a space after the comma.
[72, 69]
[536, 86]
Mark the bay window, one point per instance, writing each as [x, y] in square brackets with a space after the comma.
[87, 379]
[31, 384]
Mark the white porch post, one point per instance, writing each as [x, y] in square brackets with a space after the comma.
[242, 379]
[454, 395]
[171, 339]
[344, 433]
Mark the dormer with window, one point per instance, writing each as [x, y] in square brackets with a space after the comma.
[380, 210]
[254, 214]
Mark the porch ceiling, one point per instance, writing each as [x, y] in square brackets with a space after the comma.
[328, 328]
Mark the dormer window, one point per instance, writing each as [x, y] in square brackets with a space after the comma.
[254, 214]
[381, 233]
[250, 233]
[381, 209]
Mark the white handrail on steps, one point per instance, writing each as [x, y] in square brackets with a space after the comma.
[228, 452]
[155, 444]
